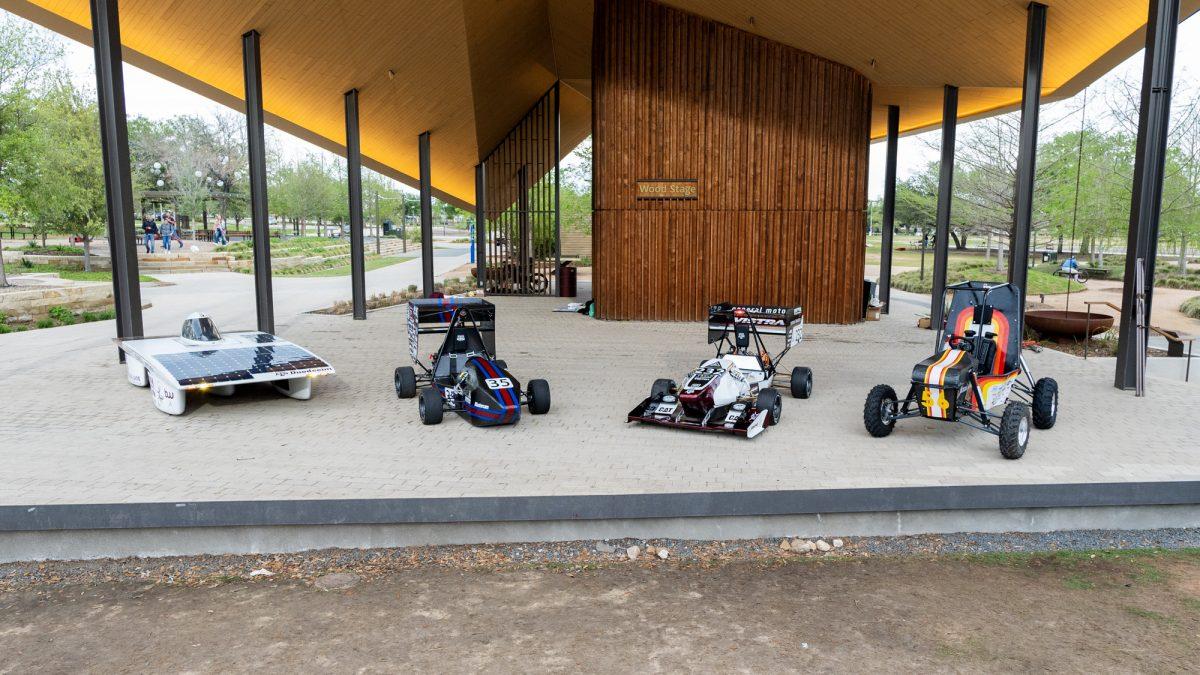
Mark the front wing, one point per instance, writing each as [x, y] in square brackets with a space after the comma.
[745, 421]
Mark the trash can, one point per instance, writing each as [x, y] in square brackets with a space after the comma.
[567, 280]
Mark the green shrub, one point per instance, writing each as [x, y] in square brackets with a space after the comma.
[45, 323]
[412, 288]
[102, 315]
[5, 328]
[62, 315]
[1191, 307]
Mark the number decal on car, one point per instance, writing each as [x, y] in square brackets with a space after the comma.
[498, 383]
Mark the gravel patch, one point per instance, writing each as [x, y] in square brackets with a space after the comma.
[569, 556]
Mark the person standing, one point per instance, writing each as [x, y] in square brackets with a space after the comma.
[167, 231]
[149, 232]
[220, 237]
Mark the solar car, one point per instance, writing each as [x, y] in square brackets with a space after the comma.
[203, 360]
[733, 392]
[464, 376]
[977, 369]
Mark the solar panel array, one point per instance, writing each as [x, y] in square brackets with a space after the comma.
[219, 366]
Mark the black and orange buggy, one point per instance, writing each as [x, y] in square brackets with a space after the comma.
[978, 368]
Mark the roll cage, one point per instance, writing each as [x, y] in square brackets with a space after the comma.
[738, 330]
[980, 298]
[469, 325]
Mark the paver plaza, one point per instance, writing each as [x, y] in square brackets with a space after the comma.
[86, 436]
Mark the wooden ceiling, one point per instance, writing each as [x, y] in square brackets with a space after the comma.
[468, 69]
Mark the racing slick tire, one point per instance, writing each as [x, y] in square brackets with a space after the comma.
[539, 397]
[875, 419]
[1014, 430]
[661, 387]
[1045, 403]
[770, 400]
[405, 381]
[430, 406]
[801, 382]
[503, 364]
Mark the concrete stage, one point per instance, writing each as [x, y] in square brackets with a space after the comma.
[354, 466]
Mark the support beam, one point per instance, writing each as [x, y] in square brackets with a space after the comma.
[480, 226]
[426, 216]
[1153, 122]
[260, 225]
[358, 280]
[118, 187]
[889, 208]
[941, 241]
[1031, 100]
[557, 189]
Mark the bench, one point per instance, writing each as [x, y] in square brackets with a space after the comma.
[575, 245]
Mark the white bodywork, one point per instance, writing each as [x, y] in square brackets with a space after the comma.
[143, 368]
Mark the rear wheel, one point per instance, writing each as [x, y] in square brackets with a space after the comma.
[1045, 403]
[879, 411]
[405, 381]
[771, 401]
[801, 382]
[430, 406]
[539, 397]
[661, 387]
[1014, 430]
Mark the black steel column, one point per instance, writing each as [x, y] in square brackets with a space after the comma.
[426, 215]
[941, 241]
[358, 281]
[260, 225]
[1153, 123]
[889, 208]
[524, 232]
[118, 187]
[480, 226]
[1031, 100]
[557, 189]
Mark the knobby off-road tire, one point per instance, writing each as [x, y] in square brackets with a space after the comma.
[876, 417]
[1014, 430]
[1045, 403]
[430, 406]
[539, 397]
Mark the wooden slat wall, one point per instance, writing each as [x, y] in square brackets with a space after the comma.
[778, 141]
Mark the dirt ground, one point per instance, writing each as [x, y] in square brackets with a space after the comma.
[1076, 612]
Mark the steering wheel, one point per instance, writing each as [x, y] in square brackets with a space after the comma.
[961, 342]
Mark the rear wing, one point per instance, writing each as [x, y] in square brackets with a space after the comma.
[786, 321]
[437, 315]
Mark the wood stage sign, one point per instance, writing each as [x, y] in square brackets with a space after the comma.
[666, 189]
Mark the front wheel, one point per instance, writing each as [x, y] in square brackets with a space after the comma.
[771, 401]
[880, 410]
[1014, 430]
[802, 382]
[405, 381]
[430, 406]
[1045, 403]
[539, 397]
[661, 387]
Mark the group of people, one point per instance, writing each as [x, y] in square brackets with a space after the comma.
[162, 226]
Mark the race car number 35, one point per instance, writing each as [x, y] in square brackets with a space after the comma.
[498, 383]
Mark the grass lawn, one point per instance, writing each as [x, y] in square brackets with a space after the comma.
[13, 269]
[1039, 282]
[372, 263]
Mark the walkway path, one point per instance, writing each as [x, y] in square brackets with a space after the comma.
[228, 297]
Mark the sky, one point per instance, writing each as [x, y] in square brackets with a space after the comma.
[153, 97]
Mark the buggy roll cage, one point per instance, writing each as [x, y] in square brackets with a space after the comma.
[974, 416]
[725, 318]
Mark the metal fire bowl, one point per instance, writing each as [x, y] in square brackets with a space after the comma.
[1059, 323]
